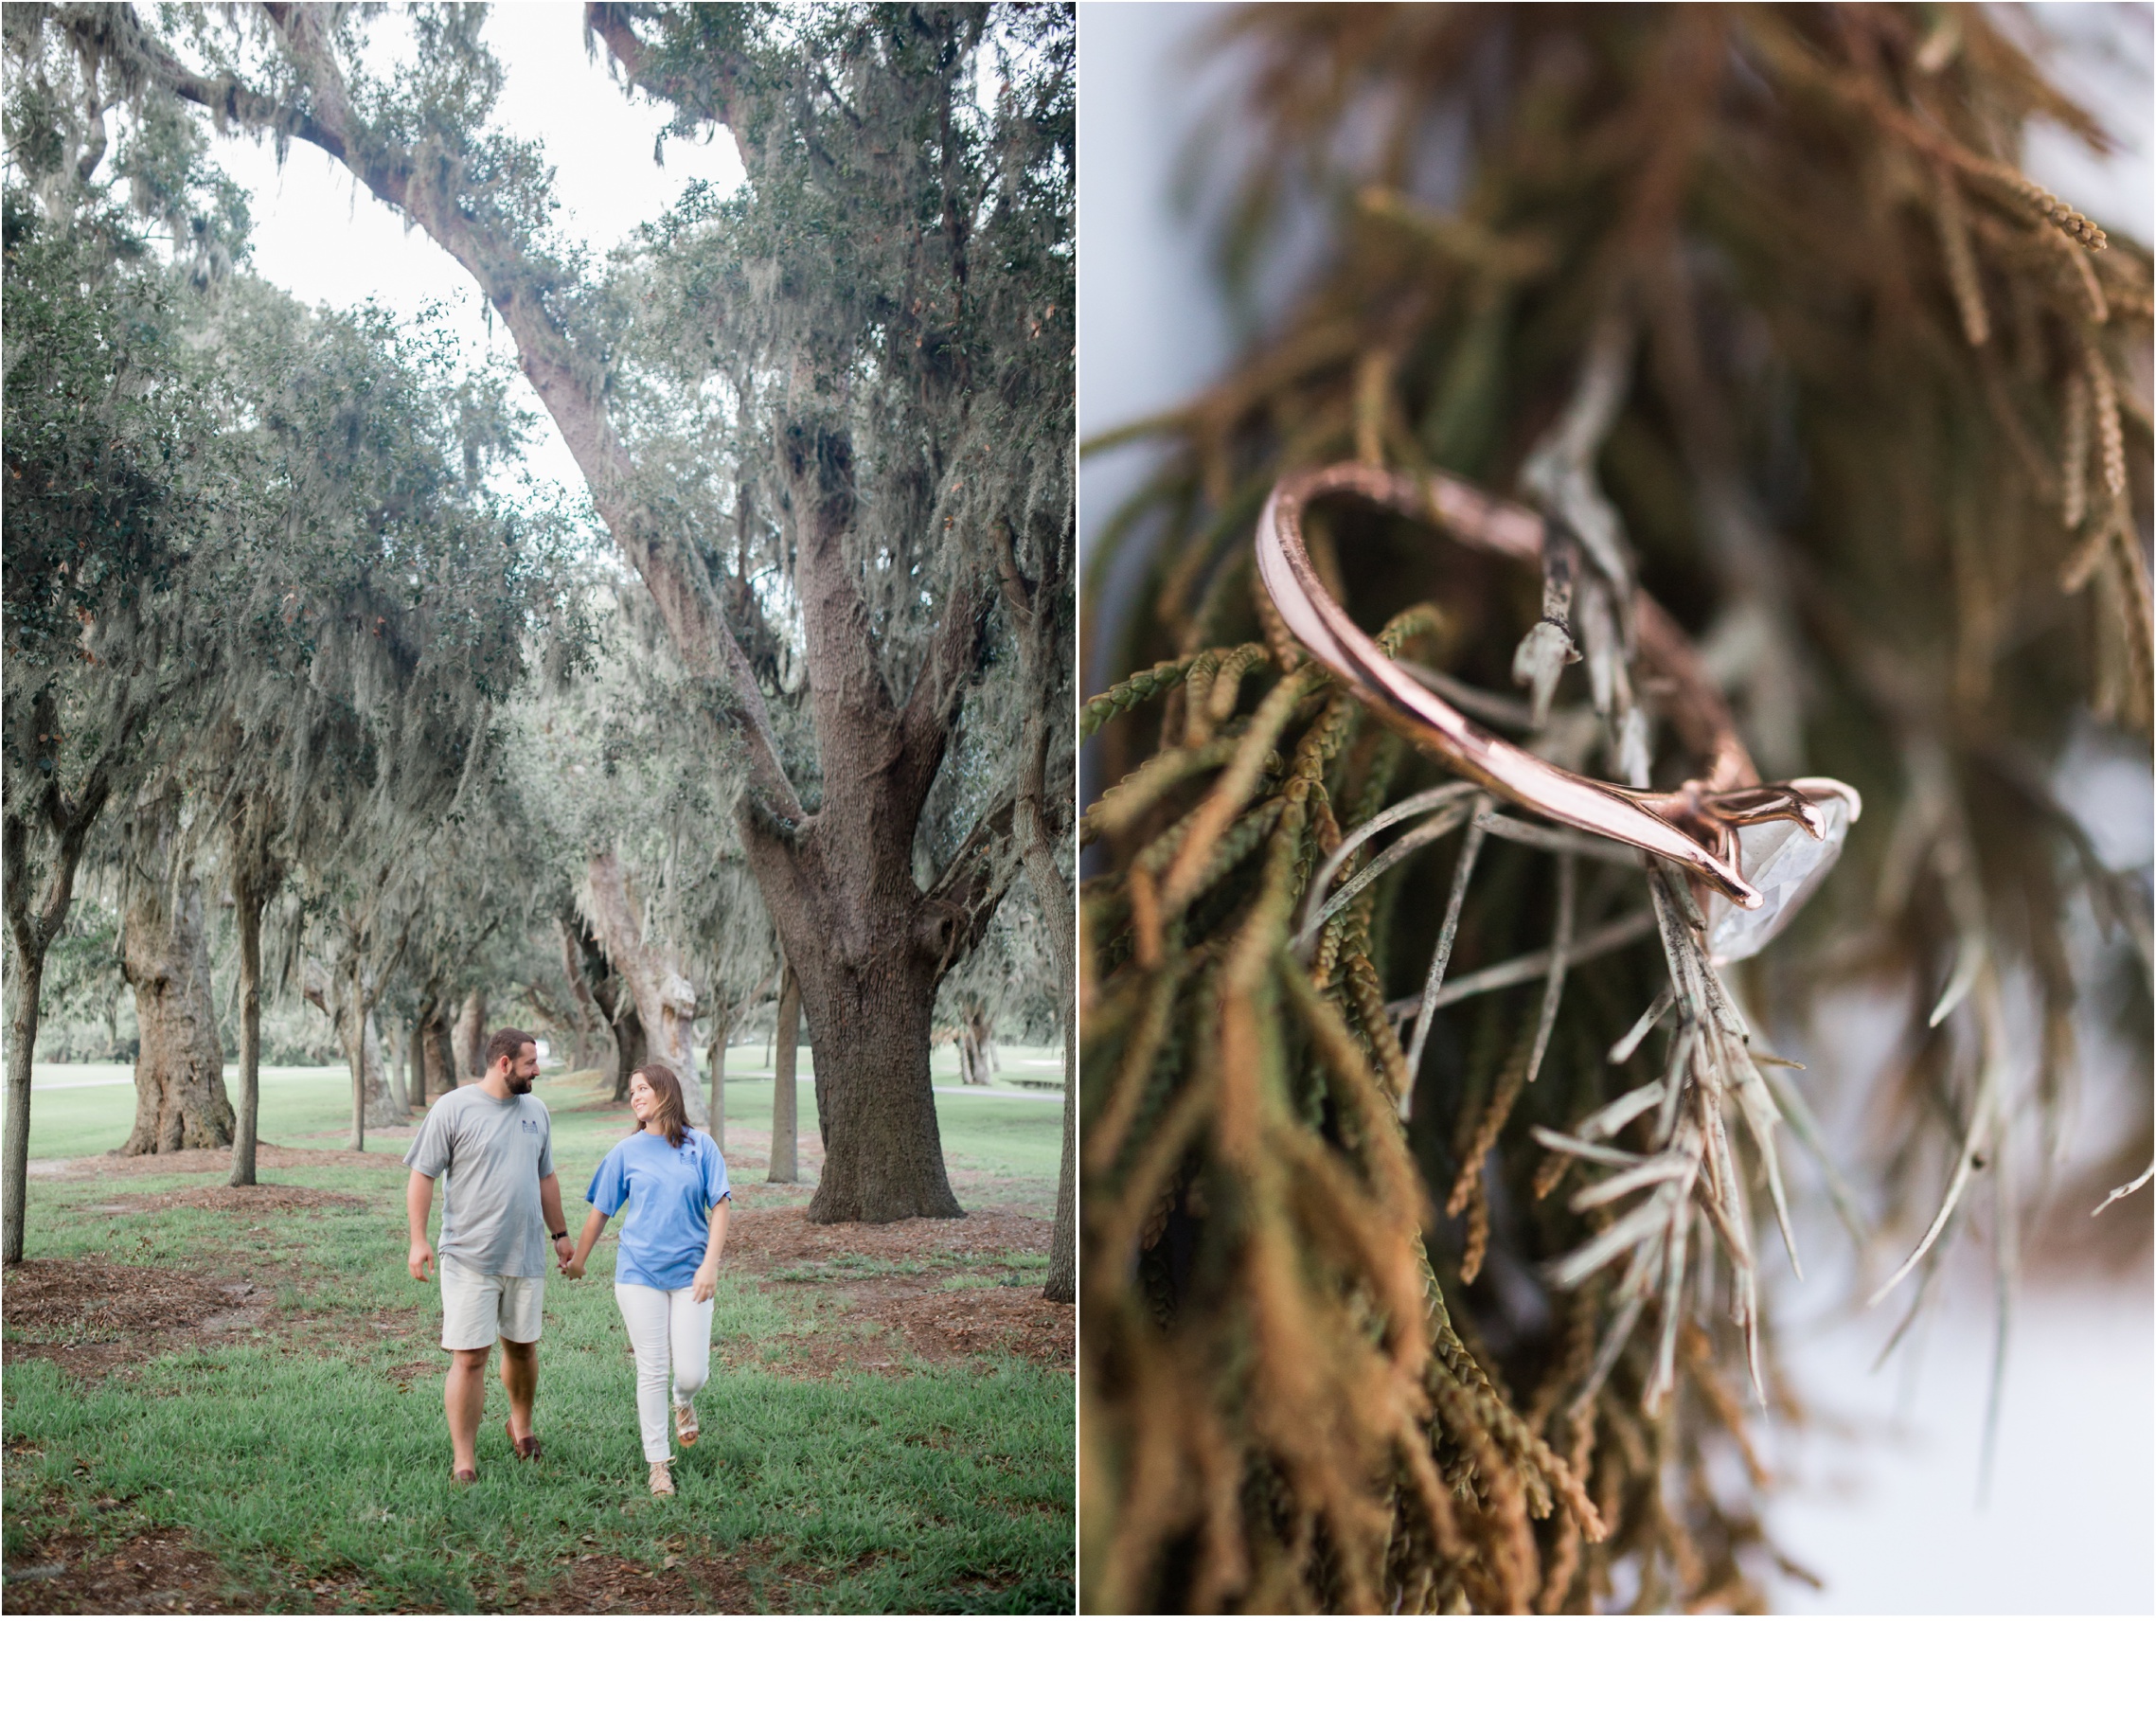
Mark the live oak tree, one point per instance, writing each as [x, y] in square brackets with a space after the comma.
[635, 824]
[885, 314]
[809, 414]
[373, 616]
[110, 496]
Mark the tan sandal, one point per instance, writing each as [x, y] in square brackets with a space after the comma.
[662, 1481]
[686, 1428]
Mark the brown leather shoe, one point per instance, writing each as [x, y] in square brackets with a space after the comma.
[465, 1476]
[525, 1448]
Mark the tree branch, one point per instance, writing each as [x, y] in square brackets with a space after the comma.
[931, 709]
[718, 101]
[35, 928]
[428, 187]
[966, 896]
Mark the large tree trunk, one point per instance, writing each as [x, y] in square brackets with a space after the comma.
[415, 1063]
[180, 1100]
[350, 1014]
[869, 1027]
[786, 1090]
[441, 1057]
[665, 1003]
[394, 1106]
[248, 903]
[580, 988]
[627, 1028]
[372, 1101]
[470, 1035]
[610, 998]
[1061, 1284]
[975, 1048]
[400, 1069]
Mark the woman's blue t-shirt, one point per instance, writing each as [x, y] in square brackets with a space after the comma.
[671, 1192]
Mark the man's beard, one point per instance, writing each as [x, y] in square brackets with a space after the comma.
[520, 1084]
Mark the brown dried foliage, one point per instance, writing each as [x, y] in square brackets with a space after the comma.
[1882, 392]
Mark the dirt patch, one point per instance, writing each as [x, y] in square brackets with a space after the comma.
[890, 1285]
[223, 1198]
[407, 1374]
[965, 1324]
[161, 1571]
[220, 1160]
[680, 1583]
[158, 1571]
[765, 1239]
[881, 1327]
[96, 1316]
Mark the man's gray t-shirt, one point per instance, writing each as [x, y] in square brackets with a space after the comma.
[489, 1154]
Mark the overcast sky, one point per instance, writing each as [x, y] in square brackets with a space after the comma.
[322, 236]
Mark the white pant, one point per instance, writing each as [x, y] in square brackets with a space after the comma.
[665, 1326]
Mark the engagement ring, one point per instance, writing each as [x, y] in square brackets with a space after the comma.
[1735, 837]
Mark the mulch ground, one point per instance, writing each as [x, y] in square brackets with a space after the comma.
[680, 1583]
[154, 1572]
[94, 1317]
[159, 1571]
[881, 1319]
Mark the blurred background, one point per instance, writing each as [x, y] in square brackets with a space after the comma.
[1878, 1492]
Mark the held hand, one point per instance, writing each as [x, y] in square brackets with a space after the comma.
[421, 1256]
[706, 1285]
[572, 1268]
[563, 1250]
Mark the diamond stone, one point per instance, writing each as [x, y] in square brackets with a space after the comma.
[1785, 863]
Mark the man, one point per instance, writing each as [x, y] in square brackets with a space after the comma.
[492, 1146]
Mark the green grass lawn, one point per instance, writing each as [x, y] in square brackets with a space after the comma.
[313, 1108]
[69, 1123]
[309, 1451]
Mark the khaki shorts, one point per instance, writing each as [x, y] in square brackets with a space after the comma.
[479, 1307]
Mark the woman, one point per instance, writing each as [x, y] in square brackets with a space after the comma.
[673, 1180]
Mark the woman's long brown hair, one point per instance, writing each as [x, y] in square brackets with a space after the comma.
[670, 1116]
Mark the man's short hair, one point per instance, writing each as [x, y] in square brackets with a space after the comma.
[508, 1043]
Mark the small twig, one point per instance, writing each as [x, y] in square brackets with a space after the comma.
[2125, 1189]
[1463, 870]
[1639, 1030]
[1528, 965]
[1423, 802]
[1561, 949]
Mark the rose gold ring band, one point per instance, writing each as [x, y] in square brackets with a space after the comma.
[1694, 707]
